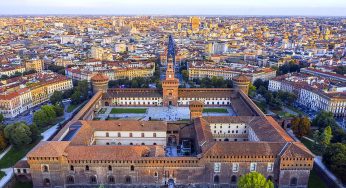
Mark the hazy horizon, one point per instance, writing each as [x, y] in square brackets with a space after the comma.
[177, 7]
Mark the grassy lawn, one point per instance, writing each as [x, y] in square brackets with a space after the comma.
[309, 145]
[22, 185]
[71, 107]
[16, 154]
[102, 111]
[128, 110]
[2, 174]
[215, 110]
[315, 181]
[261, 105]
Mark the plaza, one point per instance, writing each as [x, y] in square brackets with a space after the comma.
[170, 113]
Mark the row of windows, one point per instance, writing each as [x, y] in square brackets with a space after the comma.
[235, 167]
[130, 134]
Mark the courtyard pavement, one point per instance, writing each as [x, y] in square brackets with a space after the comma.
[171, 113]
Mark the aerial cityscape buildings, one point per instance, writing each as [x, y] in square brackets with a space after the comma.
[159, 100]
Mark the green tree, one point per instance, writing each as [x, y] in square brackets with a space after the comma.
[59, 110]
[254, 180]
[3, 141]
[35, 133]
[252, 90]
[56, 97]
[300, 126]
[76, 97]
[185, 74]
[324, 119]
[18, 134]
[335, 159]
[2, 118]
[327, 135]
[40, 118]
[49, 112]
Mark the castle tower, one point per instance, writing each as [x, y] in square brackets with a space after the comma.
[241, 82]
[196, 109]
[170, 84]
[99, 82]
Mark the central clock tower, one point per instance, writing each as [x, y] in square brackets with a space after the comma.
[170, 86]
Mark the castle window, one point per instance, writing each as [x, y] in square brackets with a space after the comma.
[119, 134]
[143, 144]
[111, 179]
[24, 171]
[217, 167]
[128, 180]
[109, 168]
[253, 167]
[154, 135]
[70, 180]
[131, 143]
[72, 168]
[154, 143]
[87, 168]
[93, 179]
[107, 134]
[132, 168]
[130, 135]
[234, 179]
[270, 167]
[293, 181]
[46, 182]
[45, 168]
[18, 170]
[235, 167]
[142, 134]
[156, 174]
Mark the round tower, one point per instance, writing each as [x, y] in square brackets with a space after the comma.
[99, 82]
[196, 109]
[241, 82]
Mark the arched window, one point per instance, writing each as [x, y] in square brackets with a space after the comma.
[109, 168]
[154, 143]
[119, 143]
[293, 181]
[234, 179]
[45, 168]
[46, 182]
[87, 168]
[70, 180]
[72, 168]
[93, 179]
[156, 174]
[132, 168]
[131, 143]
[128, 180]
[111, 179]
[216, 179]
[143, 144]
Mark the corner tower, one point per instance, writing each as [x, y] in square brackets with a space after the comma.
[99, 83]
[241, 82]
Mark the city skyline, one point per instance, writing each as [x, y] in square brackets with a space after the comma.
[179, 7]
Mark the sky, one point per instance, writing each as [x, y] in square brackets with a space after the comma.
[175, 7]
